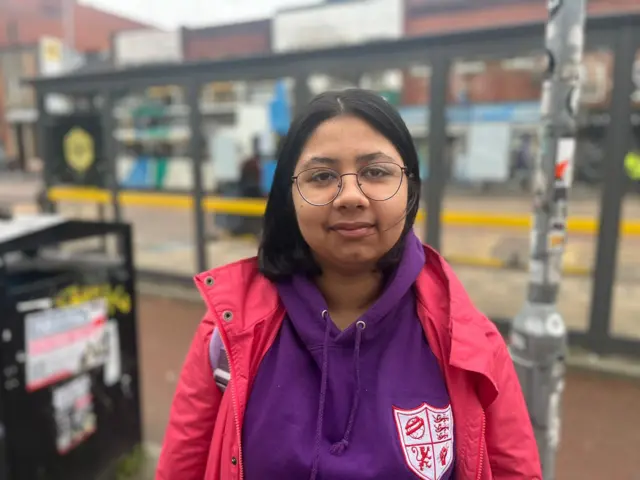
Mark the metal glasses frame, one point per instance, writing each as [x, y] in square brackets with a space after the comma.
[404, 173]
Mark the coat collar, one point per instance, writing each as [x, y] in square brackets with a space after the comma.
[241, 300]
[466, 334]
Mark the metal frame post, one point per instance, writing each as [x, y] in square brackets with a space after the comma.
[43, 151]
[614, 177]
[301, 94]
[538, 339]
[110, 152]
[195, 153]
[437, 128]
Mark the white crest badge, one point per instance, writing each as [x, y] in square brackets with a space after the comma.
[426, 434]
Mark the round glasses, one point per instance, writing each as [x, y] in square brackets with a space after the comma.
[378, 182]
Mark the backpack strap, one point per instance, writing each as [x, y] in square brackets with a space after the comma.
[219, 361]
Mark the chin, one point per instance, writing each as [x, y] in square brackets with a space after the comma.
[354, 256]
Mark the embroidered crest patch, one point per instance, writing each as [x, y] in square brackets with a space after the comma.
[426, 435]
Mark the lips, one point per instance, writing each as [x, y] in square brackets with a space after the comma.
[350, 226]
[353, 229]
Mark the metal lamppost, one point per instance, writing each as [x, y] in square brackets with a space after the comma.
[538, 338]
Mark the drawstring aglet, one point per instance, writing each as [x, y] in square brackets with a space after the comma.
[339, 448]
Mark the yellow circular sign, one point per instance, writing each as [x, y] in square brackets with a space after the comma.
[79, 149]
[632, 164]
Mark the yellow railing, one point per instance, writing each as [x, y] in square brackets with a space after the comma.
[255, 207]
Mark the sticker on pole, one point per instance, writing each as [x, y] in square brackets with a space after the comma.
[564, 162]
[555, 325]
[63, 342]
[556, 240]
[553, 6]
[426, 435]
[573, 102]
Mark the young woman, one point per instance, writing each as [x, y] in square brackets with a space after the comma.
[353, 350]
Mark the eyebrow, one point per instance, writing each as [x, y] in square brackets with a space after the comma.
[332, 162]
[326, 161]
[370, 157]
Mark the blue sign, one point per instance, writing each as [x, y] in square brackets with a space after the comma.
[139, 174]
[280, 110]
[516, 112]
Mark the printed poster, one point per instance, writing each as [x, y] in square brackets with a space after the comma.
[74, 415]
[64, 342]
[487, 159]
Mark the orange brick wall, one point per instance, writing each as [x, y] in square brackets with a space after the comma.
[232, 46]
[242, 39]
[93, 28]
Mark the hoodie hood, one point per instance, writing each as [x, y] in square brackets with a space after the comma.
[305, 304]
[309, 315]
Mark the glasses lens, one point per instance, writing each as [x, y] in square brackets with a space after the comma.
[380, 181]
[319, 186]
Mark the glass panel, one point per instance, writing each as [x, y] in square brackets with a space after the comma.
[625, 321]
[493, 119]
[242, 123]
[155, 174]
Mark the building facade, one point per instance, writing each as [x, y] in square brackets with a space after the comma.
[31, 35]
[504, 80]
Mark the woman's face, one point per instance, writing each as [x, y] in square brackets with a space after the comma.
[353, 232]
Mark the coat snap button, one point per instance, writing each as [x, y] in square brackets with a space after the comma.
[227, 315]
[208, 281]
[234, 461]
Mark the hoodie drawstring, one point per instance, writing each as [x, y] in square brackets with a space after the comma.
[323, 395]
[340, 447]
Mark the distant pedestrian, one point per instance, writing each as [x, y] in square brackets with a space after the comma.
[251, 186]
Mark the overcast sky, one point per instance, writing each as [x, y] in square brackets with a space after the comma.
[173, 13]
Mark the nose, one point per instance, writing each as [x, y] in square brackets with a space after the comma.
[350, 194]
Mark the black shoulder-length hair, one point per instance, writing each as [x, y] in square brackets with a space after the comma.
[283, 251]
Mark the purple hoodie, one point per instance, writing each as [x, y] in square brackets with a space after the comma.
[368, 402]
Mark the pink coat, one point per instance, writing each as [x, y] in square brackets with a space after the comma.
[494, 438]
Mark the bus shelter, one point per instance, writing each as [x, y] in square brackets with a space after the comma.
[94, 94]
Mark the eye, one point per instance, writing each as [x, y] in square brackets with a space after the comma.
[375, 172]
[319, 176]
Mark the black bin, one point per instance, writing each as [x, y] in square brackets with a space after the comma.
[69, 392]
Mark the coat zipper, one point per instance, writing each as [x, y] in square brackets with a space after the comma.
[238, 432]
[480, 449]
[234, 402]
